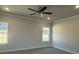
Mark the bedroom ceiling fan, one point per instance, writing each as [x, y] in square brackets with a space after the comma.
[40, 11]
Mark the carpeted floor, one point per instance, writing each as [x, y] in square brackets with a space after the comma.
[46, 50]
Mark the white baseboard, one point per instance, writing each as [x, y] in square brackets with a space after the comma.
[64, 49]
[22, 49]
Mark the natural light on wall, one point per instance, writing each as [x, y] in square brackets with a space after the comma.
[46, 34]
[3, 32]
[77, 6]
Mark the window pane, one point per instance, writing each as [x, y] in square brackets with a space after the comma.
[5, 39]
[4, 31]
[4, 35]
[0, 35]
[1, 40]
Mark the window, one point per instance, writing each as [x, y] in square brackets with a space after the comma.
[3, 32]
[46, 34]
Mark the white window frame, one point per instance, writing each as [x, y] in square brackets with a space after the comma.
[4, 34]
[46, 37]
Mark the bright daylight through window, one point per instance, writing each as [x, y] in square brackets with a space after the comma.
[46, 34]
[3, 32]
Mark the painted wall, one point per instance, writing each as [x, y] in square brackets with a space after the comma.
[23, 33]
[66, 34]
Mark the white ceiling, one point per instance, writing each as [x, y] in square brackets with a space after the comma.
[59, 11]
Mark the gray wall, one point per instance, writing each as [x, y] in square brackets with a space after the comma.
[66, 34]
[23, 33]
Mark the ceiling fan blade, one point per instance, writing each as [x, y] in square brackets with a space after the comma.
[47, 13]
[32, 9]
[39, 8]
[33, 13]
[43, 9]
